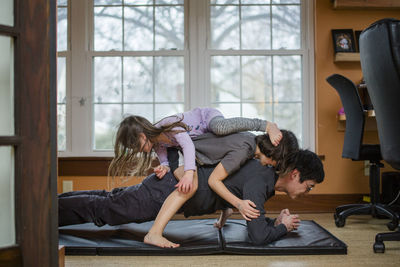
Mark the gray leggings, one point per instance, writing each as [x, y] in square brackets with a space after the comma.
[221, 126]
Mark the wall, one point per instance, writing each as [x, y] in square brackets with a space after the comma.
[343, 176]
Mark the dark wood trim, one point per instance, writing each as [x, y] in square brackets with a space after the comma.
[11, 256]
[83, 166]
[9, 31]
[10, 140]
[312, 203]
[36, 158]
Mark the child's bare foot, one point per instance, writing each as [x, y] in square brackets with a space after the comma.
[159, 241]
[223, 217]
[275, 135]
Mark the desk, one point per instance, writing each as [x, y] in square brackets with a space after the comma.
[370, 121]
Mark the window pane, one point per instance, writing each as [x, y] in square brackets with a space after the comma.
[169, 79]
[7, 204]
[107, 118]
[107, 28]
[61, 127]
[7, 12]
[289, 116]
[228, 110]
[225, 78]
[144, 110]
[62, 28]
[138, 2]
[256, 29]
[165, 110]
[138, 79]
[256, 78]
[285, 1]
[224, 27]
[258, 110]
[169, 28]
[169, 2]
[107, 2]
[287, 78]
[252, 2]
[62, 2]
[138, 28]
[61, 80]
[6, 86]
[107, 79]
[223, 2]
[286, 27]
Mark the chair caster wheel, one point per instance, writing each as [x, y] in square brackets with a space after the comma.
[339, 221]
[379, 247]
[391, 226]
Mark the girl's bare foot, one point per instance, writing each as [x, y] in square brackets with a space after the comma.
[223, 217]
[159, 241]
[275, 135]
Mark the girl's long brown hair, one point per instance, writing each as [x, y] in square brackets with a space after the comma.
[128, 159]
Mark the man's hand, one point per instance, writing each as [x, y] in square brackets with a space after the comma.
[161, 170]
[279, 218]
[185, 184]
[292, 222]
[248, 209]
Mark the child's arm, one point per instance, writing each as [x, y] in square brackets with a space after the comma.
[163, 168]
[245, 207]
[221, 126]
[188, 150]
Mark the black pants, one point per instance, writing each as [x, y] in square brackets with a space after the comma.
[138, 203]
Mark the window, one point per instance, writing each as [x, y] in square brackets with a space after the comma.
[159, 57]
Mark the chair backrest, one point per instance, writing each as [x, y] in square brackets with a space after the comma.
[354, 111]
[380, 62]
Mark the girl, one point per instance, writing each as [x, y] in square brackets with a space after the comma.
[136, 137]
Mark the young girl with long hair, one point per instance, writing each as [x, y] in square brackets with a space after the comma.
[137, 138]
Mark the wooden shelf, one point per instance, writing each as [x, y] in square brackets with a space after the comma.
[361, 4]
[347, 57]
[370, 122]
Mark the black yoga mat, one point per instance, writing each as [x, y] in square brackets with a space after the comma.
[196, 237]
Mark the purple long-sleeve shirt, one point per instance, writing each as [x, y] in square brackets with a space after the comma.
[197, 120]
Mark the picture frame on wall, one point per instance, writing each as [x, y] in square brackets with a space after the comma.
[343, 40]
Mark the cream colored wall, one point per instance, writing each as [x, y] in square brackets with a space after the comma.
[343, 176]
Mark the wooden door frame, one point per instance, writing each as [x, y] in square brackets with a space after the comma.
[35, 140]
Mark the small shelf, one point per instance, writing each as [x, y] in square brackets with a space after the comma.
[347, 57]
[362, 4]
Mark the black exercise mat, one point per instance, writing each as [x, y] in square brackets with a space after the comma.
[197, 237]
[309, 239]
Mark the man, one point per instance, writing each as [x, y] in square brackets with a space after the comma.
[252, 181]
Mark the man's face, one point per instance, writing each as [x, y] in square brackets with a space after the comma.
[295, 188]
[264, 160]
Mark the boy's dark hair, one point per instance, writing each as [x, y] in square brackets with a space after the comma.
[308, 164]
[287, 146]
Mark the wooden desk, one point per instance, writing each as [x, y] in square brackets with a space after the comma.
[370, 121]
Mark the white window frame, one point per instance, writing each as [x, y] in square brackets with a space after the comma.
[197, 58]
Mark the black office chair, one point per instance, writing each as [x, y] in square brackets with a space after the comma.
[380, 62]
[353, 148]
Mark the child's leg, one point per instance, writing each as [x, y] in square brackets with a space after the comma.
[170, 207]
[221, 126]
[225, 214]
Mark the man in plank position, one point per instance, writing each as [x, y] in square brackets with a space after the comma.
[257, 183]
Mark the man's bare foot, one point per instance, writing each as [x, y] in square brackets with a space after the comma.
[275, 135]
[159, 241]
[223, 217]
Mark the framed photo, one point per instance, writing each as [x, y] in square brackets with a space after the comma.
[343, 40]
[357, 34]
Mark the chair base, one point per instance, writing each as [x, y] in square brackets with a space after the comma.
[374, 209]
[379, 246]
